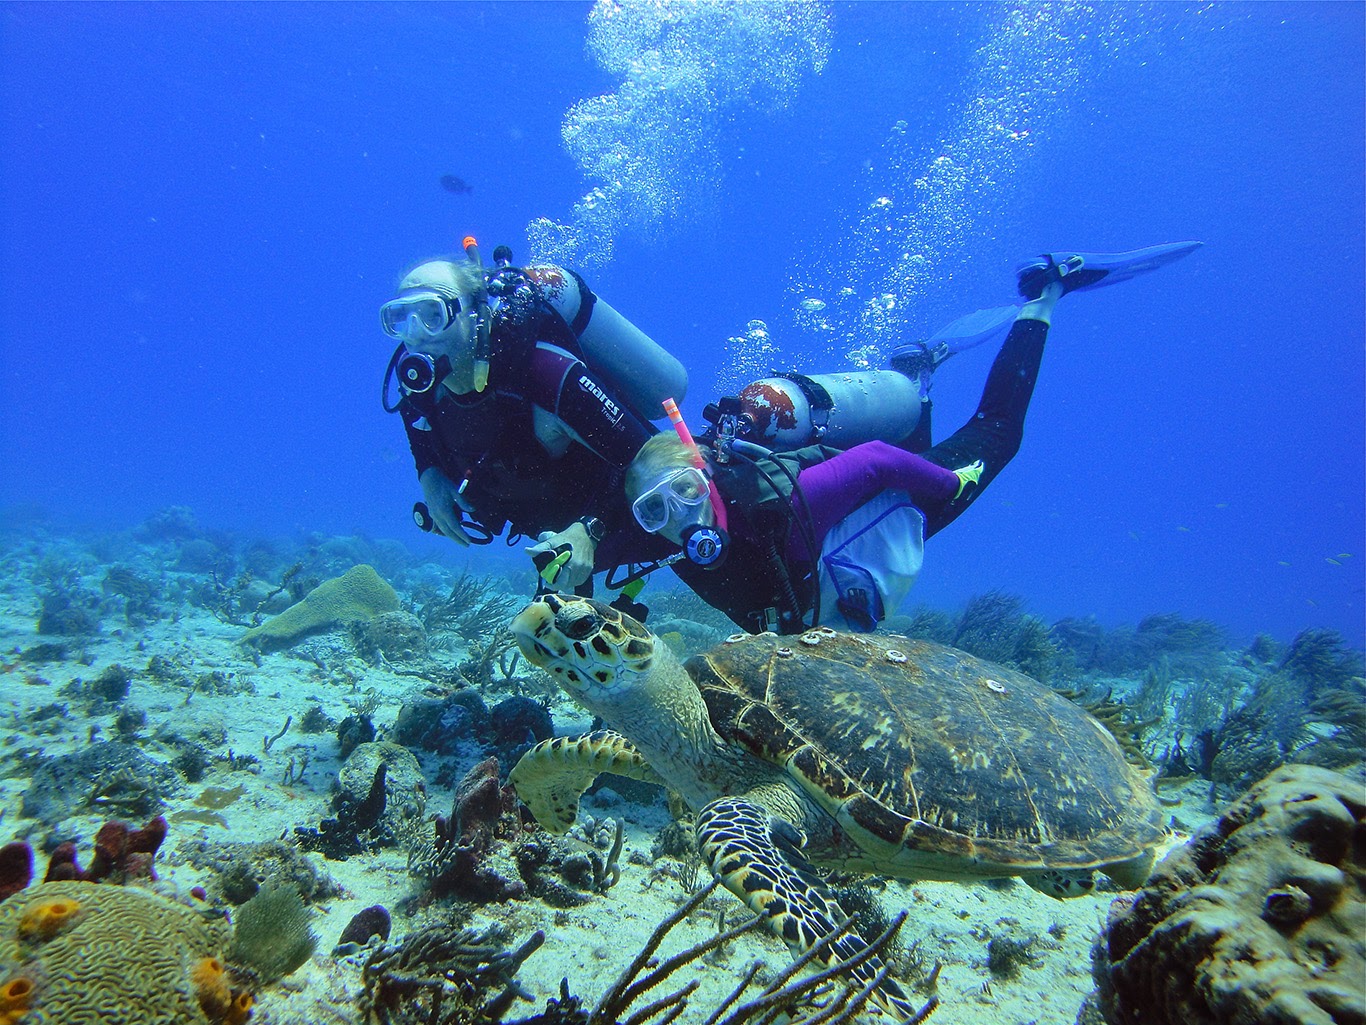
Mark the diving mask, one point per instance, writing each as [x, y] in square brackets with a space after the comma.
[682, 493]
[419, 314]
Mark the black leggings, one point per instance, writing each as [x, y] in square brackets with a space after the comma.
[993, 434]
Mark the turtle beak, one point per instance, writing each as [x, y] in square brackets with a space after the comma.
[533, 628]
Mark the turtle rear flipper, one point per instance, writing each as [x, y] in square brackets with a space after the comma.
[758, 859]
[552, 776]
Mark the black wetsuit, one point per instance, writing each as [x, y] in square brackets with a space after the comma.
[489, 440]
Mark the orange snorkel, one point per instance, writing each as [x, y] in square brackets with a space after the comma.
[685, 435]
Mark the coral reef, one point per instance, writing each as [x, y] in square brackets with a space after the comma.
[121, 955]
[241, 869]
[359, 593]
[1261, 917]
[353, 731]
[392, 636]
[272, 936]
[16, 867]
[120, 854]
[791, 995]
[472, 608]
[467, 854]
[116, 776]
[518, 724]
[357, 823]
[405, 788]
[439, 724]
[1306, 708]
[368, 922]
[992, 626]
[442, 976]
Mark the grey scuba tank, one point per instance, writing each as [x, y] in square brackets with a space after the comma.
[643, 371]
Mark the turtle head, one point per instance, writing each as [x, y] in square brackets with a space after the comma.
[595, 651]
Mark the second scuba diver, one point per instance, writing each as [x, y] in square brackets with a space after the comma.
[522, 396]
[790, 540]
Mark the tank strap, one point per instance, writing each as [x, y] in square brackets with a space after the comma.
[816, 397]
[587, 300]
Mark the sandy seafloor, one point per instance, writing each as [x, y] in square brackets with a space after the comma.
[950, 922]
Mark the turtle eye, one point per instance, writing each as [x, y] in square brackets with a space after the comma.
[576, 624]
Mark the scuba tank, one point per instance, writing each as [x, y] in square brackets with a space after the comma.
[644, 373]
[790, 410]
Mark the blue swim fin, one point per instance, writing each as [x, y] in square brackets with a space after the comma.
[917, 359]
[1092, 270]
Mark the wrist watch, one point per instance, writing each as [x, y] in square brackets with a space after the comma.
[597, 530]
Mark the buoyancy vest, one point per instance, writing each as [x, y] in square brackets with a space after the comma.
[488, 438]
[760, 585]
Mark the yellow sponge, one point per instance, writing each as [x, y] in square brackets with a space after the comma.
[359, 593]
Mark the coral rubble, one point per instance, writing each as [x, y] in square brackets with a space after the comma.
[1259, 918]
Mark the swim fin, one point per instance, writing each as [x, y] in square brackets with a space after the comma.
[1091, 270]
[916, 358]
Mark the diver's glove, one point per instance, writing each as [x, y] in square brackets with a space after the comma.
[966, 475]
[582, 548]
[444, 503]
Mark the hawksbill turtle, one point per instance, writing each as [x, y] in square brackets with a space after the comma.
[869, 753]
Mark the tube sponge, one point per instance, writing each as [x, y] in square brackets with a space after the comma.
[210, 981]
[45, 919]
[14, 998]
[359, 593]
[239, 1010]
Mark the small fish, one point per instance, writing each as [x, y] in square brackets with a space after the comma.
[1184, 530]
[455, 185]
[1282, 562]
[1221, 505]
[1133, 536]
[1331, 561]
[1343, 555]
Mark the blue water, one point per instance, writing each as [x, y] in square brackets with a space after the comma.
[202, 207]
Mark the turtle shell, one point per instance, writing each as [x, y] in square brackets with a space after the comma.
[931, 761]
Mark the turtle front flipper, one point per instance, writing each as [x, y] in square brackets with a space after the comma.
[552, 776]
[758, 858]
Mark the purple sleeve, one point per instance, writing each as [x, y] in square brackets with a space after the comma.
[835, 488]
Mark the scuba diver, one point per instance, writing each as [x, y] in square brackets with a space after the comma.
[522, 393]
[785, 541]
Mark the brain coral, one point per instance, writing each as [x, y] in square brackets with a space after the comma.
[359, 593]
[120, 956]
[1259, 918]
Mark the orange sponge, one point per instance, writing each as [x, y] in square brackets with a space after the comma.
[14, 998]
[211, 988]
[240, 1010]
[45, 919]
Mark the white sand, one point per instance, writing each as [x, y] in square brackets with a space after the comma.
[949, 922]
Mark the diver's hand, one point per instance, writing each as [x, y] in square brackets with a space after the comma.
[442, 502]
[581, 551]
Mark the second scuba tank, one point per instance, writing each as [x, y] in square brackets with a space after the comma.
[645, 374]
[841, 410]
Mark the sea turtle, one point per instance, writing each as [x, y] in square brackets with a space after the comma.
[868, 752]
